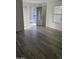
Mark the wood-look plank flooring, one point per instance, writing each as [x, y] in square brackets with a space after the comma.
[39, 43]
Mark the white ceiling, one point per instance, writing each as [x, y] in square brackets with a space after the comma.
[38, 2]
[34, 1]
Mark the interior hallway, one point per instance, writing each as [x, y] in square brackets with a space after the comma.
[39, 43]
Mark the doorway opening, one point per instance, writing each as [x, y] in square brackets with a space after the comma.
[32, 16]
[33, 20]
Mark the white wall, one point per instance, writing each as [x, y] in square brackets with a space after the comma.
[50, 15]
[44, 7]
[19, 16]
[27, 16]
